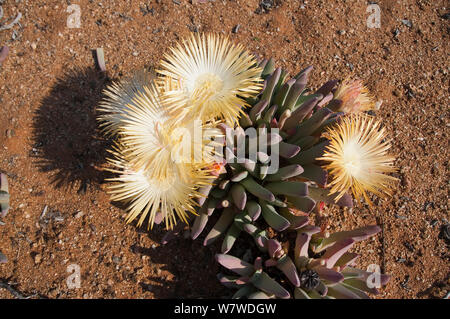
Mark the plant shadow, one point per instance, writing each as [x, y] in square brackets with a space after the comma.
[66, 141]
[192, 265]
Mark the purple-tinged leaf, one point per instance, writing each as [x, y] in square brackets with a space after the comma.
[225, 220]
[262, 281]
[239, 196]
[309, 156]
[346, 260]
[327, 87]
[323, 195]
[288, 150]
[272, 218]
[357, 235]
[260, 295]
[228, 281]
[199, 223]
[299, 293]
[253, 209]
[257, 190]
[325, 100]
[273, 248]
[288, 188]
[329, 274]
[336, 251]
[302, 203]
[236, 265]
[301, 112]
[295, 221]
[339, 291]
[285, 172]
[316, 174]
[230, 238]
[286, 265]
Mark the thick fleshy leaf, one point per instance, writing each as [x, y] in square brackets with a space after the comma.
[299, 293]
[239, 176]
[339, 291]
[301, 247]
[364, 275]
[304, 73]
[329, 274]
[268, 68]
[311, 124]
[346, 260]
[239, 196]
[306, 142]
[357, 235]
[288, 150]
[286, 265]
[285, 173]
[335, 105]
[283, 118]
[257, 109]
[280, 97]
[301, 112]
[244, 292]
[236, 265]
[360, 285]
[293, 95]
[257, 190]
[222, 224]
[303, 203]
[253, 209]
[245, 121]
[336, 251]
[316, 174]
[327, 87]
[325, 100]
[273, 248]
[323, 195]
[295, 221]
[271, 83]
[263, 281]
[260, 295]
[199, 223]
[309, 156]
[272, 218]
[230, 238]
[224, 184]
[268, 116]
[228, 281]
[263, 169]
[288, 188]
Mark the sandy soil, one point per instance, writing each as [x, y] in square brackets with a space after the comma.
[53, 155]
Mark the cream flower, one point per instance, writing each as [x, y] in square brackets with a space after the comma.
[215, 78]
[357, 158]
[355, 97]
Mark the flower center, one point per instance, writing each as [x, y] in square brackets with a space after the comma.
[208, 85]
[352, 158]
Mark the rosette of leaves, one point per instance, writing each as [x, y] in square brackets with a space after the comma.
[319, 266]
[244, 195]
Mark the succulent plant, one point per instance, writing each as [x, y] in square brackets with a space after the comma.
[319, 266]
[4, 205]
[292, 122]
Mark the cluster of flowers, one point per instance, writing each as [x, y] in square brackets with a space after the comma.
[327, 144]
